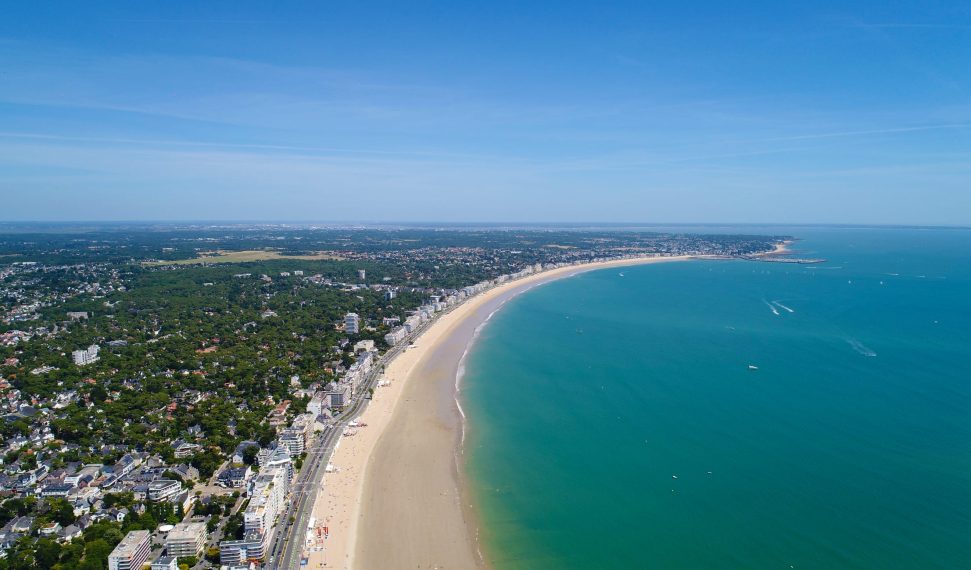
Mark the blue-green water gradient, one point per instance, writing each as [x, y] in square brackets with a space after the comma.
[614, 421]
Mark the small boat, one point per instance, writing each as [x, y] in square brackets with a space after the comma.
[752, 367]
[621, 274]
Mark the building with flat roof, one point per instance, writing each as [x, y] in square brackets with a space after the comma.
[86, 356]
[294, 441]
[166, 563]
[267, 493]
[186, 539]
[163, 489]
[352, 323]
[339, 397]
[242, 552]
[318, 404]
[132, 552]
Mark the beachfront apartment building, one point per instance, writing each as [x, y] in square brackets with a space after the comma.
[339, 397]
[241, 552]
[186, 539]
[297, 437]
[473, 290]
[352, 323]
[86, 356]
[132, 552]
[395, 336]
[267, 493]
[359, 370]
[412, 323]
[304, 423]
[317, 404]
[294, 441]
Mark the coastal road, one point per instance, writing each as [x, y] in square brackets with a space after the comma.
[288, 539]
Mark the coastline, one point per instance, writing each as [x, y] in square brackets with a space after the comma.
[397, 496]
[781, 248]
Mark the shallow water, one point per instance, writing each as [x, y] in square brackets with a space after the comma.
[614, 421]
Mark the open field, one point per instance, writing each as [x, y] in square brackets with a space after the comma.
[222, 256]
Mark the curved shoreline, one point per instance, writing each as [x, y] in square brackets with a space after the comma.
[393, 501]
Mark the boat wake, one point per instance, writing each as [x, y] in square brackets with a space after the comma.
[772, 308]
[781, 306]
[860, 347]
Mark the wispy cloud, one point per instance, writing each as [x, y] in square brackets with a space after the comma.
[870, 132]
[310, 150]
[914, 26]
[189, 21]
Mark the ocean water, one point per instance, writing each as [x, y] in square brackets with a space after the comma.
[614, 421]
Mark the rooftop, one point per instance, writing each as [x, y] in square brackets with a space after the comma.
[187, 531]
[129, 545]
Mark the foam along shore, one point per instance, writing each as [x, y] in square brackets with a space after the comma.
[395, 497]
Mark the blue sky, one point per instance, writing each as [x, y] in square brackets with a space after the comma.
[542, 111]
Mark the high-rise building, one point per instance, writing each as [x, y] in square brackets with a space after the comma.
[132, 552]
[361, 274]
[352, 323]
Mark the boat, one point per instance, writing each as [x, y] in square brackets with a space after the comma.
[752, 367]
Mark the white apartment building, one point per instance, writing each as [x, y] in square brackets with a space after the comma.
[395, 336]
[317, 404]
[132, 552]
[186, 539]
[163, 489]
[267, 493]
[412, 323]
[352, 323]
[86, 356]
[294, 441]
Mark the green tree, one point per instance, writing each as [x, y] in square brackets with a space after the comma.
[47, 552]
[96, 554]
[249, 454]
[61, 511]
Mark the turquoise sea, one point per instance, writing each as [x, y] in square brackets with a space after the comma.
[614, 421]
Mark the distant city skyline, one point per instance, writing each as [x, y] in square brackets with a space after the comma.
[751, 113]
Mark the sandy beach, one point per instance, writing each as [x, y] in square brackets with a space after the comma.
[395, 499]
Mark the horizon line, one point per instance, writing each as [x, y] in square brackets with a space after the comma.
[440, 223]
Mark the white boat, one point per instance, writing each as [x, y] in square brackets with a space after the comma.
[752, 367]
